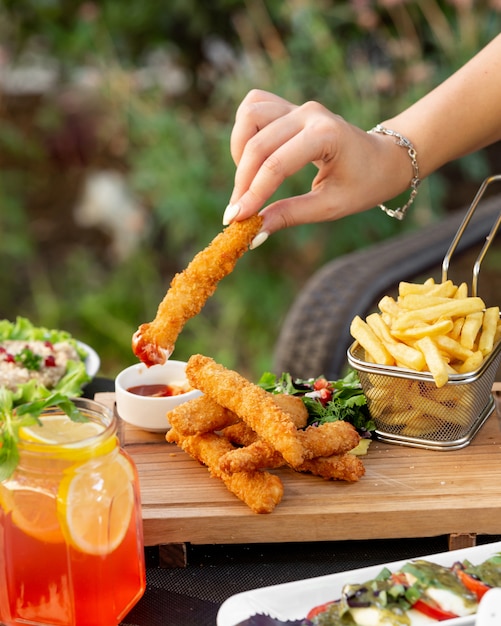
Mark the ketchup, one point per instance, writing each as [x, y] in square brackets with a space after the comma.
[157, 391]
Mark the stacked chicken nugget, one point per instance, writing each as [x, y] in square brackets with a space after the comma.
[239, 430]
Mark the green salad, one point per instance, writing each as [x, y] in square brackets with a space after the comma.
[26, 351]
[327, 400]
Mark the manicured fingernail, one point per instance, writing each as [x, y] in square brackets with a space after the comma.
[230, 213]
[259, 239]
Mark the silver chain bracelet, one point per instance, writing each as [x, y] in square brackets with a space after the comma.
[399, 213]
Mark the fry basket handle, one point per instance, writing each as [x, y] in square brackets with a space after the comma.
[476, 268]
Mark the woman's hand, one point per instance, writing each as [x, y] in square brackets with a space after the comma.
[273, 139]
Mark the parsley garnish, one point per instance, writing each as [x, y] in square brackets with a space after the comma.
[28, 359]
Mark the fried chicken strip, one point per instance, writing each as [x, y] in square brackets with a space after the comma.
[203, 415]
[256, 455]
[260, 454]
[326, 440]
[293, 406]
[261, 491]
[240, 434]
[189, 290]
[200, 415]
[250, 402]
[338, 467]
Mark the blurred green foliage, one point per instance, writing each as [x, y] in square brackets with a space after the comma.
[150, 90]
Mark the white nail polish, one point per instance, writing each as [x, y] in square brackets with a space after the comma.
[230, 213]
[259, 239]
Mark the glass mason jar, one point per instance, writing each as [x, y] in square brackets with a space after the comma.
[71, 540]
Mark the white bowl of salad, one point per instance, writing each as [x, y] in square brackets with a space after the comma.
[39, 367]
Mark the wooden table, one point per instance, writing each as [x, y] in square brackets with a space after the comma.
[406, 492]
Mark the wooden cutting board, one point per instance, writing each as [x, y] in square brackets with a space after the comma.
[406, 492]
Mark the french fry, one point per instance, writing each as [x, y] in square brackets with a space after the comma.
[455, 332]
[451, 308]
[462, 291]
[441, 327]
[452, 347]
[377, 380]
[472, 363]
[379, 394]
[434, 360]
[446, 289]
[388, 305]
[449, 395]
[405, 288]
[366, 337]
[393, 420]
[380, 328]
[472, 325]
[497, 336]
[418, 425]
[406, 356]
[435, 409]
[489, 326]
[413, 301]
[402, 417]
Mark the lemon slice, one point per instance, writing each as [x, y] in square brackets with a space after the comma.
[34, 512]
[59, 429]
[95, 503]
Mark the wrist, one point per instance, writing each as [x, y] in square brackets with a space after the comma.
[402, 142]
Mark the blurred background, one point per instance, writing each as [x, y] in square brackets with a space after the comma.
[115, 120]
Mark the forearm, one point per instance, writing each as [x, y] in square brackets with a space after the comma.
[460, 116]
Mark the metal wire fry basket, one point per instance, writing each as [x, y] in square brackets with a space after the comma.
[407, 406]
[409, 409]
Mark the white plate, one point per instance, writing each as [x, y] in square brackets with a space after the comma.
[292, 601]
[92, 361]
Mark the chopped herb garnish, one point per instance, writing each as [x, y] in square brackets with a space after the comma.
[28, 359]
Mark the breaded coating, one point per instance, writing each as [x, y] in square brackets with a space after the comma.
[293, 406]
[250, 402]
[243, 435]
[189, 290]
[200, 415]
[238, 430]
[328, 439]
[254, 456]
[240, 434]
[343, 467]
[332, 438]
[261, 491]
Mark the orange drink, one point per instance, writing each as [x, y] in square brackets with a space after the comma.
[70, 525]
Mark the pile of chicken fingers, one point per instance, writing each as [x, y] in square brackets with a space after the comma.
[239, 431]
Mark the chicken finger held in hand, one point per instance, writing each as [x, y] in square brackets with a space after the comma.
[154, 342]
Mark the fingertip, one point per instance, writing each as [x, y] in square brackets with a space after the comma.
[230, 213]
[259, 239]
